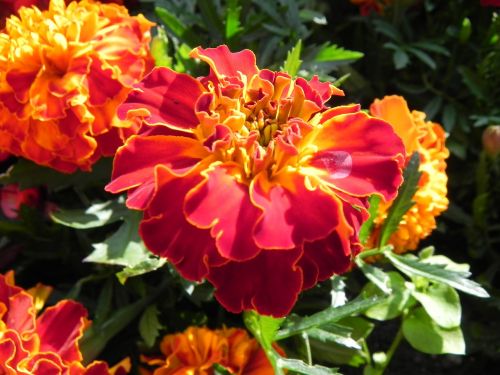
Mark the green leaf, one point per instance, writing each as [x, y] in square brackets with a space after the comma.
[293, 61]
[473, 82]
[303, 368]
[324, 335]
[426, 336]
[458, 280]
[449, 117]
[97, 215]
[159, 49]
[403, 201]
[329, 315]
[263, 327]
[149, 326]
[432, 47]
[395, 304]
[433, 106]
[176, 26]
[379, 278]
[233, 25]
[149, 264]
[442, 303]
[104, 302]
[400, 59]
[214, 23]
[422, 56]
[333, 53]
[366, 228]
[220, 370]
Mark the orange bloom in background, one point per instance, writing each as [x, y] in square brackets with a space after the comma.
[368, 6]
[197, 350]
[428, 139]
[246, 177]
[12, 198]
[47, 344]
[63, 73]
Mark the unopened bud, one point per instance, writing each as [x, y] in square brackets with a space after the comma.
[491, 140]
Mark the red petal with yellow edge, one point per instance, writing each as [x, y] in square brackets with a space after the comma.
[60, 327]
[268, 283]
[11, 351]
[166, 232]
[223, 204]
[223, 62]
[395, 111]
[359, 155]
[134, 164]
[292, 213]
[19, 313]
[164, 97]
[45, 364]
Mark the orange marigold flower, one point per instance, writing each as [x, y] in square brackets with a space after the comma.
[428, 139]
[197, 350]
[63, 73]
[248, 179]
[47, 344]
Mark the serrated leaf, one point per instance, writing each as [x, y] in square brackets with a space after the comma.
[403, 201]
[177, 27]
[426, 336]
[366, 228]
[263, 327]
[394, 305]
[293, 61]
[149, 264]
[97, 215]
[333, 53]
[442, 304]
[327, 336]
[233, 25]
[329, 315]
[303, 368]
[457, 280]
[149, 325]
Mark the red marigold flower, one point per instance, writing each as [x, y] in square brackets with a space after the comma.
[490, 3]
[368, 6]
[248, 179]
[12, 198]
[428, 139]
[47, 344]
[63, 73]
[197, 350]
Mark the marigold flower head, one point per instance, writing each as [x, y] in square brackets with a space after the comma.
[490, 3]
[197, 350]
[368, 6]
[248, 179]
[47, 344]
[428, 139]
[63, 72]
[12, 198]
[491, 140]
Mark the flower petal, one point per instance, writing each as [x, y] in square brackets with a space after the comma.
[134, 164]
[164, 97]
[60, 327]
[166, 232]
[292, 213]
[273, 292]
[358, 155]
[223, 204]
[223, 62]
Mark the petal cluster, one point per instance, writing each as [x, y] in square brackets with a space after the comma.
[47, 344]
[12, 198]
[368, 6]
[197, 350]
[63, 73]
[248, 179]
[428, 139]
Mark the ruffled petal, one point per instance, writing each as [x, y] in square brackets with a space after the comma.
[223, 204]
[292, 213]
[135, 162]
[358, 155]
[164, 97]
[167, 233]
[268, 283]
[60, 327]
[225, 63]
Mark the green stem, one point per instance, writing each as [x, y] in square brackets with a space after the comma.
[390, 353]
[307, 344]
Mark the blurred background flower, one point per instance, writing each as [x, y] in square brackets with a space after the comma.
[64, 71]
